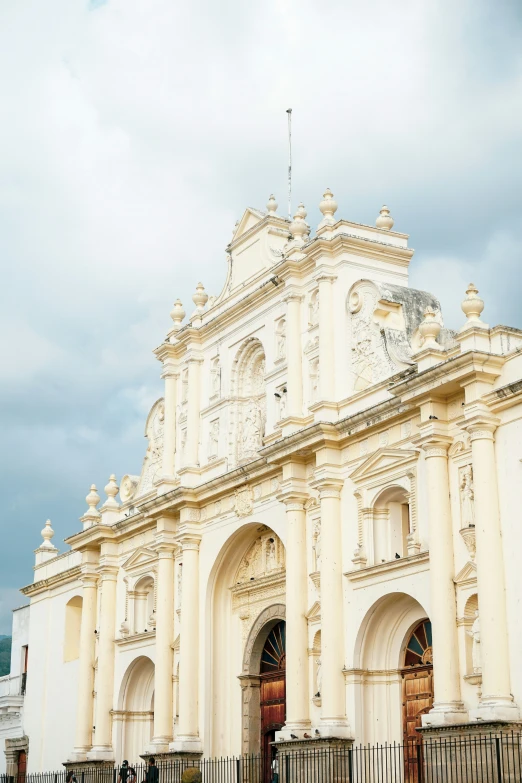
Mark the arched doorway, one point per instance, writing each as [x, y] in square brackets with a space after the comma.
[417, 680]
[273, 686]
[136, 710]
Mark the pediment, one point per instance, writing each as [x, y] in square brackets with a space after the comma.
[141, 557]
[382, 460]
[467, 575]
[251, 217]
[314, 613]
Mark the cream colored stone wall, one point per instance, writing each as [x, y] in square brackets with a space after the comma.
[345, 497]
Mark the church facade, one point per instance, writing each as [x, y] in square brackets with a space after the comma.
[322, 541]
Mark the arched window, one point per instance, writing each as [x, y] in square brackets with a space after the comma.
[73, 621]
[391, 525]
[144, 617]
[419, 650]
[273, 658]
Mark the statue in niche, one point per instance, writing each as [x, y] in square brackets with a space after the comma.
[317, 544]
[252, 435]
[475, 652]
[258, 378]
[313, 310]
[183, 442]
[467, 497]
[271, 560]
[282, 404]
[215, 378]
[184, 386]
[281, 342]
[319, 678]
[213, 438]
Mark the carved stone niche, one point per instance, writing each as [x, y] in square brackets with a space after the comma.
[260, 578]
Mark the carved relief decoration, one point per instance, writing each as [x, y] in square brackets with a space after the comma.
[249, 410]
[151, 469]
[370, 360]
[467, 496]
[460, 445]
[265, 557]
[244, 501]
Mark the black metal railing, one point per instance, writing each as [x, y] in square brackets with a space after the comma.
[488, 758]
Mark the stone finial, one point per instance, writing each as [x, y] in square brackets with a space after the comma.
[472, 307]
[177, 314]
[328, 207]
[272, 205]
[47, 533]
[384, 219]
[430, 329]
[92, 515]
[200, 298]
[111, 490]
[299, 228]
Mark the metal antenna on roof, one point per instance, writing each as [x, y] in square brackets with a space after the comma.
[289, 112]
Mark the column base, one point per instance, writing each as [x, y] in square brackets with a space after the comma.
[160, 745]
[78, 754]
[445, 714]
[186, 745]
[495, 708]
[101, 753]
[333, 729]
[294, 731]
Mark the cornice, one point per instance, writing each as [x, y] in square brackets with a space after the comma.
[447, 377]
[362, 246]
[53, 581]
[406, 564]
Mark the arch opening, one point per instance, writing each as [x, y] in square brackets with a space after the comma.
[136, 710]
[391, 524]
[73, 622]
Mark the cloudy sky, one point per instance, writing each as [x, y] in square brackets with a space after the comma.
[133, 134]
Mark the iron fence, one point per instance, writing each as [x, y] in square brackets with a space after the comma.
[491, 758]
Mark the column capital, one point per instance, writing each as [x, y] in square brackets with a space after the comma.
[433, 441]
[293, 501]
[189, 541]
[293, 296]
[165, 549]
[325, 277]
[108, 571]
[481, 427]
[329, 489]
[194, 357]
[170, 371]
[89, 577]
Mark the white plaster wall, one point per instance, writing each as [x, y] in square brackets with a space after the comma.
[51, 698]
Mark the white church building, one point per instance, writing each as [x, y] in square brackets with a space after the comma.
[324, 539]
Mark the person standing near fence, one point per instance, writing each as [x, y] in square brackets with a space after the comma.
[71, 777]
[152, 775]
[124, 772]
[275, 767]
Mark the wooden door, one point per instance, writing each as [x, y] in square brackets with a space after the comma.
[22, 766]
[417, 695]
[417, 699]
[273, 693]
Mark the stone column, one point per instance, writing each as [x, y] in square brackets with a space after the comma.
[496, 701]
[297, 688]
[447, 706]
[187, 738]
[326, 338]
[163, 713]
[102, 749]
[169, 429]
[193, 409]
[333, 693]
[294, 353]
[84, 719]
